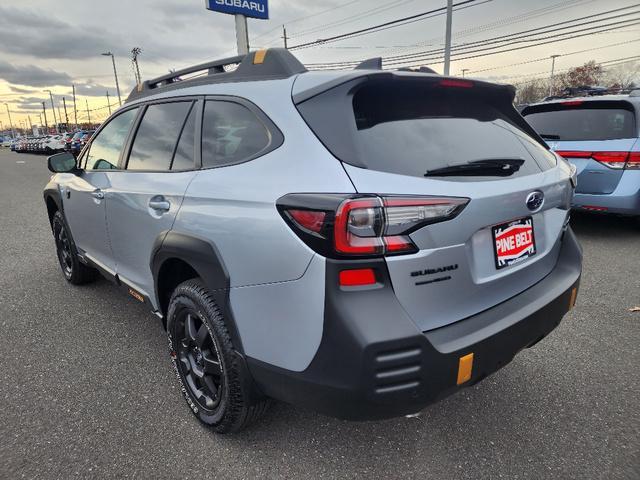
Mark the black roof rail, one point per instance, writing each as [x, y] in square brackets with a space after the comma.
[271, 64]
[370, 64]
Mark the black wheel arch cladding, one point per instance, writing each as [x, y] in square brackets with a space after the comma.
[205, 260]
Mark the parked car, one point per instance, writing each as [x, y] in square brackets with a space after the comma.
[385, 255]
[600, 136]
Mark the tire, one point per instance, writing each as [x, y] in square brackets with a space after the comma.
[208, 369]
[74, 271]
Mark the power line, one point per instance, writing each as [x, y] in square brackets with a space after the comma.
[505, 38]
[370, 29]
[546, 58]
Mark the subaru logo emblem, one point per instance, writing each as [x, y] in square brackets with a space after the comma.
[535, 200]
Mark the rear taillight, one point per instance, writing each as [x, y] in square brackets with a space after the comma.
[615, 160]
[367, 225]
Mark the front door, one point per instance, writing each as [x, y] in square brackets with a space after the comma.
[84, 195]
[144, 197]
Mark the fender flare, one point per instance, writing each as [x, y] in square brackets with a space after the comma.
[204, 257]
[52, 193]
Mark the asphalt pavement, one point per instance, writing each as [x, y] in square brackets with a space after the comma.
[87, 391]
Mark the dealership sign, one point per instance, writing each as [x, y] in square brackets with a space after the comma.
[248, 8]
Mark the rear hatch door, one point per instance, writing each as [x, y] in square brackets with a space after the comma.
[593, 135]
[416, 135]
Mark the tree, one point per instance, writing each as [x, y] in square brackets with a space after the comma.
[589, 74]
[531, 91]
[625, 75]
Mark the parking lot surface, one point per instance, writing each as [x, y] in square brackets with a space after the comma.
[86, 387]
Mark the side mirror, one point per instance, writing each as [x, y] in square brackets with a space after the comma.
[62, 163]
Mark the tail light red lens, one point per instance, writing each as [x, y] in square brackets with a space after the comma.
[357, 278]
[452, 82]
[615, 160]
[366, 225]
[309, 219]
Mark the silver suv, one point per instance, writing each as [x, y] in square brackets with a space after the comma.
[360, 243]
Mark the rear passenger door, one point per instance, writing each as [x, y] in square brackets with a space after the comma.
[146, 194]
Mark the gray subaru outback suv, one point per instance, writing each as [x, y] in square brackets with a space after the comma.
[360, 243]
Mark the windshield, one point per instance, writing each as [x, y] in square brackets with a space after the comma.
[586, 121]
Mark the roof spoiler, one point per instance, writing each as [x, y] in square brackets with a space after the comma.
[271, 64]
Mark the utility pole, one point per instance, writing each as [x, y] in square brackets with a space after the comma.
[447, 38]
[46, 124]
[59, 115]
[30, 124]
[108, 103]
[75, 110]
[88, 114]
[284, 36]
[13, 133]
[553, 65]
[463, 71]
[242, 34]
[115, 73]
[55, 120]
[66, 115]
[135, 51]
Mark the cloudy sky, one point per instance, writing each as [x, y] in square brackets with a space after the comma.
[48, 44]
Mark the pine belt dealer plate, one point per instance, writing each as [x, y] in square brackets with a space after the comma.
[513, 242]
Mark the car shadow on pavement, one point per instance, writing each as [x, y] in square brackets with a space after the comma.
[601, 226]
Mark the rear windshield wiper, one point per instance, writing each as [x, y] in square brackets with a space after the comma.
[492, 167]
[550, 136]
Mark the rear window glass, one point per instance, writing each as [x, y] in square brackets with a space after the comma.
[416, 129]
[231, 134]
[582, 123]
[157, 136]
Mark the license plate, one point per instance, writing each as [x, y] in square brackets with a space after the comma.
[513, 242]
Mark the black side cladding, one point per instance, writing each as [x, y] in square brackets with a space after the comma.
[204, 258]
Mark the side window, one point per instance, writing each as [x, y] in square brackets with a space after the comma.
[231, 133]
[157, 136]
[106, 147]
[184, 158]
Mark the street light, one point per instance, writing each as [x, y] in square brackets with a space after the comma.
[553, 65]
[55, 120]
[13, 134]
[115, 73]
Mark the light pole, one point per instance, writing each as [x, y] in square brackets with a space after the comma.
[447, 38]
[44, 111]
[55, 120]
[553, 66]
[115, 73]
[13, 134]
[464, 70]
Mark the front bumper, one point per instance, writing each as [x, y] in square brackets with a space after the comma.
[374, 363]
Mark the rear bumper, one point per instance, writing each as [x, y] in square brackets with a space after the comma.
[624, 200]
[374, 363]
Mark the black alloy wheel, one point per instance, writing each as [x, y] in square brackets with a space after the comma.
[198, 360]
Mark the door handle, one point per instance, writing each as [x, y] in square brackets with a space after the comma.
[99, 194]
[161, 205]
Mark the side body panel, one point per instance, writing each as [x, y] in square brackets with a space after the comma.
[275, 285]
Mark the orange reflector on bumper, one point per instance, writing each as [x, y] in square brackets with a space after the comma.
[465, 366]
[572, 301]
